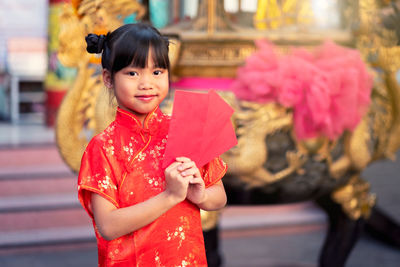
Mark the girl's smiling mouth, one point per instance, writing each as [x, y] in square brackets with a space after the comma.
[145, 97]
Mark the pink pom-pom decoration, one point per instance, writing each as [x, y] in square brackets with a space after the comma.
[327, 89]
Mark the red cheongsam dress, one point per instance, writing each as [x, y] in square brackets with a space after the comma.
[123, 165]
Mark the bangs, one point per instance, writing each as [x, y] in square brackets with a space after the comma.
[133, 50]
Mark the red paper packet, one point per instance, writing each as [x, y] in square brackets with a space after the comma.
[200, 128]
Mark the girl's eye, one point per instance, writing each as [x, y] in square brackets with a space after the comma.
[132, 73]
[157, 72]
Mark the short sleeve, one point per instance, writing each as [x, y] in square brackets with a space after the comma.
[213, 171]
[96, 176]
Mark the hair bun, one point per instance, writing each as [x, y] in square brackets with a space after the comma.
[95, 43]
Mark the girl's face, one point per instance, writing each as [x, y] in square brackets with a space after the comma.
[141, 90]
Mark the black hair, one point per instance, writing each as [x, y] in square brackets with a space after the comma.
[129, 45]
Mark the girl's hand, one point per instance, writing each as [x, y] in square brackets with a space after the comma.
[176, 184]
[196, 190]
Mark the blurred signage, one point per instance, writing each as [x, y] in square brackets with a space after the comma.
[22, 19]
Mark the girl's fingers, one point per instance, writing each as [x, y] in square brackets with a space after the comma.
[183, 159]
[173, 172]
[190, 171]
[196, 180]
[173, 165]
[186, 165]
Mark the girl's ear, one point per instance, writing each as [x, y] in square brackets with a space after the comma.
[107, 79]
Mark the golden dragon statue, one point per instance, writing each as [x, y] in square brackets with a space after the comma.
[86, 108]
[269, 165]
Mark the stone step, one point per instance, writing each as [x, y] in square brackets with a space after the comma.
[30, 156]
[38, 202]
[32, 162]
[38, 199]
[41, 185]
[46, 236]
[34, 171]
[30, 220]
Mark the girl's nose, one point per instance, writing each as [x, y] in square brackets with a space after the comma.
[145, 82]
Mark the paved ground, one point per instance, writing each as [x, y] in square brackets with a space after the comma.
[297, 248]
[278, 246]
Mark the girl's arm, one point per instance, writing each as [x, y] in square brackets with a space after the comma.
[214, 197]
[113, 222]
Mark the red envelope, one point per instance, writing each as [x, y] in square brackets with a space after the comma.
[200, 128]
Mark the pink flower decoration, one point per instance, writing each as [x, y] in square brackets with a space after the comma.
[328, 89]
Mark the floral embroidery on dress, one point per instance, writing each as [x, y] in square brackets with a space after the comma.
[179, 232]
[117, 247]
[109, 147]
[157, 259]
[107, 139]
[154, 182]
[89, 179]
[158, 150]
[155, 165]
[141, 156]
[109, 131]
[105, 184]
[184, 263]
[129, 151]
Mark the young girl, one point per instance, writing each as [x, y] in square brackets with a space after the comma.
[142, 214]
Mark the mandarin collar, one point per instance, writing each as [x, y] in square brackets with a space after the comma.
[132, 122]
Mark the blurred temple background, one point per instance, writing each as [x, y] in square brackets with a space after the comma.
[41, 221]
